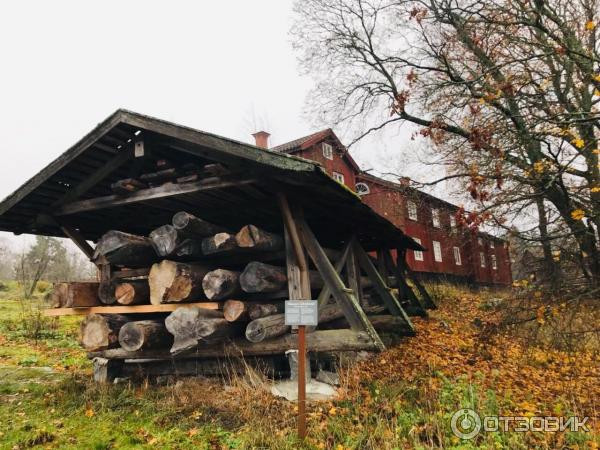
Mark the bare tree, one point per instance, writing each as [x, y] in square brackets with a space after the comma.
[33, 265]
[506, 91]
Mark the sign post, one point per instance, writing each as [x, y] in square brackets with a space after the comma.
[301, 313]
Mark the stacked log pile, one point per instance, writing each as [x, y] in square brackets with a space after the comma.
[190, 262]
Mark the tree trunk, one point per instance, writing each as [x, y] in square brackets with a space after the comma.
[258, 310]
[101, 331]
[552, 269]
[190, 326]
[132, 292]
[75, 294]
[167, 239]
[221, 284]
[172, 281]
[252, 237]
[193, 225]
[219, 243]
[235, 310]
[267, 327]
[144, 334]
[261, 277]
[124, 249]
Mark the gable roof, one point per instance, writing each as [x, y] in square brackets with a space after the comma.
[75, 189]
[308, 141]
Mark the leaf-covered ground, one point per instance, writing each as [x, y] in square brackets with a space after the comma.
[400, 399]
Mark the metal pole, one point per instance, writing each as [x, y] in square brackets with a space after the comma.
[301, 381]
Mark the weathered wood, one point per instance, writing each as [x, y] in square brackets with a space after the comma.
[127, 274]
[167, 239]
[343, 296]
[404, 289]
[261, 277]
[106, 292]
[235, 310]
[354, 279]
[319, 341]
[132, 292]
[79, 241]
[127, 186]
[384, 322]
[74, 294]
[172, 281]
[219, 243]
[221, 284]
[159, 177]
[106, 370]
[133, 309]
[99, 332]
[190, 326]
[191, 224]
[124, 249]
[258, 310]
[144, 335]
[425, 297]
[143, 195]
[252, 237]
[384, 292]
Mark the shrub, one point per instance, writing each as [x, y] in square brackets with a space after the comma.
[43, 286]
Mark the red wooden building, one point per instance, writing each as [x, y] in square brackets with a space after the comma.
[453, 252]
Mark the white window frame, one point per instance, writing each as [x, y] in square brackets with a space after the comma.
[457, 259]
[339, 177]
[365, 188]
[435, 218]
[452, 221]
[412, 210]
[492, 244]
[494, 262]
[418, 253]
[327, 150]
[480, 241]
[437, 251]
[482, 259]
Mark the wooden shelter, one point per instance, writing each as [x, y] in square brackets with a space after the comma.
[134, 173]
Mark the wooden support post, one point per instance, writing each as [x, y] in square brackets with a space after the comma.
[299, 289]
[386, 294]
[353, 273]
[382, 266]
[343, 296]
[405, 290]
[426, 298]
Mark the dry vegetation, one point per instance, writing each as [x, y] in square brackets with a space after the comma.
[466, 354]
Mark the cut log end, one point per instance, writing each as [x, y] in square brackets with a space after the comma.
[99, 332]
[221, 284]
[132, 293]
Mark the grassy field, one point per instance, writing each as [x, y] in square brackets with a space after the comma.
[400, 399]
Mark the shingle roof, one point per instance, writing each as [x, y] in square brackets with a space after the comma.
[296, 144]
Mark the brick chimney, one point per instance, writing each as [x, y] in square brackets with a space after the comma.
[262, 139]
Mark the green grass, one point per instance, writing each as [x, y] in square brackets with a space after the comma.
[47, 400]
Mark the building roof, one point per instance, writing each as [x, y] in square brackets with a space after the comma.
[75, 191]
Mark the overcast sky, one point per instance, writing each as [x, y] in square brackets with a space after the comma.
[223, 67]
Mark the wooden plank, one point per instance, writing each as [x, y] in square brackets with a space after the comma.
[388, 298]
[325, 293]
[353, 273]
[79, 241]
[343, 296]
[133, 309]
[403, 287]
[427, 300]
[318, 341]
[93, 179]
[166, 190]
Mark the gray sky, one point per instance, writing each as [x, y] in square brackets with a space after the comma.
[223, 67]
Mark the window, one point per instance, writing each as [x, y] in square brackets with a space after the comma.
[480, 241]
[418, 254]
[412, 210]
[338, 177]
[492, 244]
[327, 151]
[437, 251]
[457, 259]
[482, 258]
[362, 189]
[452, 221]
[494, 262]
[435, 217]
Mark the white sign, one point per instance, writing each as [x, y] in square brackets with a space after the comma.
[301, 312]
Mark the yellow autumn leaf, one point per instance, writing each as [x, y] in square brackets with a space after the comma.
[578, 214]
[192, 432]
[152, 441]
[596, 151]
[590, 25]
[332, 411]
[89, 412]
[578, 142]
[596, 189]
[596, 92]
[597, 77]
